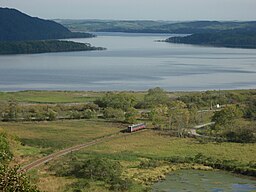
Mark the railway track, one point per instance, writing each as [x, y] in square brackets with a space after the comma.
[63, 152]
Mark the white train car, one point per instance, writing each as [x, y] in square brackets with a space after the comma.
[136, 127]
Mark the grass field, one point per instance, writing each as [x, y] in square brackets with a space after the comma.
[32, 140]
[56, 96]
[50, 96]
[131, 150]
[151, 144]
[40, 138]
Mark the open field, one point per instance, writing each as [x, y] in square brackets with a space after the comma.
[46, 137]
[39, 138]
[50, 96]
[55, 97]
[31, 140]
[151, 144]
[42, 138]
[130, 151]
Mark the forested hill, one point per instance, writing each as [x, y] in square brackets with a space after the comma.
[233, 39]
[17, 26]
[149, 26]
[213, 33]
[45, 46]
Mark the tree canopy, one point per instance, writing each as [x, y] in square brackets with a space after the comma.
[226, 117]
[122, 101]
[156, 96]
[29, 47]
[235, 39]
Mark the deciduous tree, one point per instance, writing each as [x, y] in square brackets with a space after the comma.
[156, 96]
[113, 114]
[131, 115]
[226, 117]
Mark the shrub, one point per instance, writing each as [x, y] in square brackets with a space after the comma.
[79, 185]
[240, 136]
[75, 115]
[96, 169]
[149, 164]
[114, 114]
[5, 153]
[52, 115]
[93, 169]
[12, 180]
[89, 114]
[117, 184]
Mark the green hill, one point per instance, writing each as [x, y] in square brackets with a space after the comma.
[233, 39]
[148, 26]
[17, 26]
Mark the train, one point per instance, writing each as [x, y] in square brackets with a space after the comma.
[136, 127]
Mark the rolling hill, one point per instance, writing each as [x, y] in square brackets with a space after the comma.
[149, 26]
[17, 26]
[229, 38]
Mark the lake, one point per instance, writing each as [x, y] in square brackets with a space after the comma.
[131, 62]
[203, 181]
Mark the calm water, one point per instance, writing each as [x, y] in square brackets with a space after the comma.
[132, 62]
[204, 181]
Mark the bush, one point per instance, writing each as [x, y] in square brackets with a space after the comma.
[93, 169]
[11, 112]
[149, 164]
[96, 169]
[75, 115]
[89, 114]
[226, 117]
[114, 114]
[52, 115]
[240, 136]
[79, 185]
[5, 153]
[131, 115]
[117, 184]
[228, 165]
[11, 180]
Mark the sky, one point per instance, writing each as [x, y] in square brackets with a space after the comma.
[174, 10]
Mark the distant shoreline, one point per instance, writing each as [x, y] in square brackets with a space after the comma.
[229, 39]
[45, 46]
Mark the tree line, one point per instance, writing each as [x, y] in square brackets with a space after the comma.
[30, 47]
[233, 39]
[234, 121]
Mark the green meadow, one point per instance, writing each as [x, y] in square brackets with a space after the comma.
[144, 157]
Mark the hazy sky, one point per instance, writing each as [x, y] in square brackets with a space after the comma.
[137, 9]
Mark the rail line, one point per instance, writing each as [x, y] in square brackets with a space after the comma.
[63, 152]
